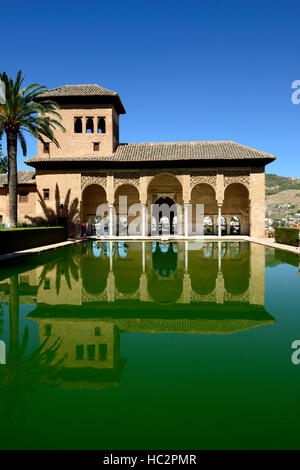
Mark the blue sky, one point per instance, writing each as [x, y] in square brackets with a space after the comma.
[185, 70]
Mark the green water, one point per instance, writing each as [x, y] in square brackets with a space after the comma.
[148, 345]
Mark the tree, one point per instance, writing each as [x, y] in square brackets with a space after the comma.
[25, 373]
[3, 158]
[21, 112]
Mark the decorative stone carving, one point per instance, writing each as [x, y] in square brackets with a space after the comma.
[88, 178]
[126, 179]
[211, 297]
[245, 297]
[203, 177]
[235, 176]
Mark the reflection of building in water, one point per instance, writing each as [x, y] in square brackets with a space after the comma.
[204, 287]
[91, 349]
[96, 291]
[175, 272]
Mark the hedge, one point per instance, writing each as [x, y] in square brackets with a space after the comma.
[287, 235]
[16, 239]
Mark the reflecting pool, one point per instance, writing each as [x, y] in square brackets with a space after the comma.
[126, 345]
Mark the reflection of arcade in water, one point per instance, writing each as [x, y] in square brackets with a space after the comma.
[171, 273]
[97, 291]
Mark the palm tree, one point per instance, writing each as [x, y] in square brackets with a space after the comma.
[66, 209]
[25, 373]
[68, 267]
[20, 112]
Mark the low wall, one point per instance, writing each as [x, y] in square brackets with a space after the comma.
[17, 239]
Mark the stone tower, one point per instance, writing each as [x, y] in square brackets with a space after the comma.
[90, 115]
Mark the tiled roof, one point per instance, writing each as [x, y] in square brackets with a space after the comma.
[78, 90]
[24, 177]
[168, 151]
[88, 90]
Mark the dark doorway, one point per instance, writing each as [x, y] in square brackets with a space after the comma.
[165, 218]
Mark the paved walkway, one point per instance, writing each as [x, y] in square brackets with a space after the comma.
[271, 243]
[38, 249]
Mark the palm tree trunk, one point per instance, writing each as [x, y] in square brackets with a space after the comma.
[13, 316]
[12, 178]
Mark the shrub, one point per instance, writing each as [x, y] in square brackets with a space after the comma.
[16, 239]
[287, 235]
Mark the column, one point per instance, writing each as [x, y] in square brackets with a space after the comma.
[219, 256]
[186, 256]
[110, 256]
[220, 278]
[144, 216]
[186, 293]
[110, 287]
[186, 219]
[257, 274]
[110, 223]
[143, 256]
[257, 198]
[219, 220]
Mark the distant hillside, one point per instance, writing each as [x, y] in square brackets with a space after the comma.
[282, 196]
[276, 184]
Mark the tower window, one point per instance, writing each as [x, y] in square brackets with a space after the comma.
[101, 125]
[23, 197]
[46, 147]
[79, 352]
[78, 125]
[96, 146]
[91, 352]
[46, 194]
[89, 125]
[102, 352]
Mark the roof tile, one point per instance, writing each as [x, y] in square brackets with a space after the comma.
[168, 151]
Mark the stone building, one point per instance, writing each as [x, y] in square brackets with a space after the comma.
[91, 168]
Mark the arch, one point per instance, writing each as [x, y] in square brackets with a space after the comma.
[237, 203]
[223, 225]
[203, 269]
[164, 259]
[128, 269]
[101, 125]
[163, 188]
[208, 225]
[204, 193]
[235, 225]
[165, 279]
[164, 184]
[164, 216]
[89, 129]
[164, 174]
[236, 272]
[78, 125]
[235, 248]
[92, 196]
[122, 206]
[94, 269]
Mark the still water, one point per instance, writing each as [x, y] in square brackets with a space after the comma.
[150, 345]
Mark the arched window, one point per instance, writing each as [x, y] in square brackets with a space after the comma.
[78, 125]
[89, 125]
[101, 128]
[235, 226]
